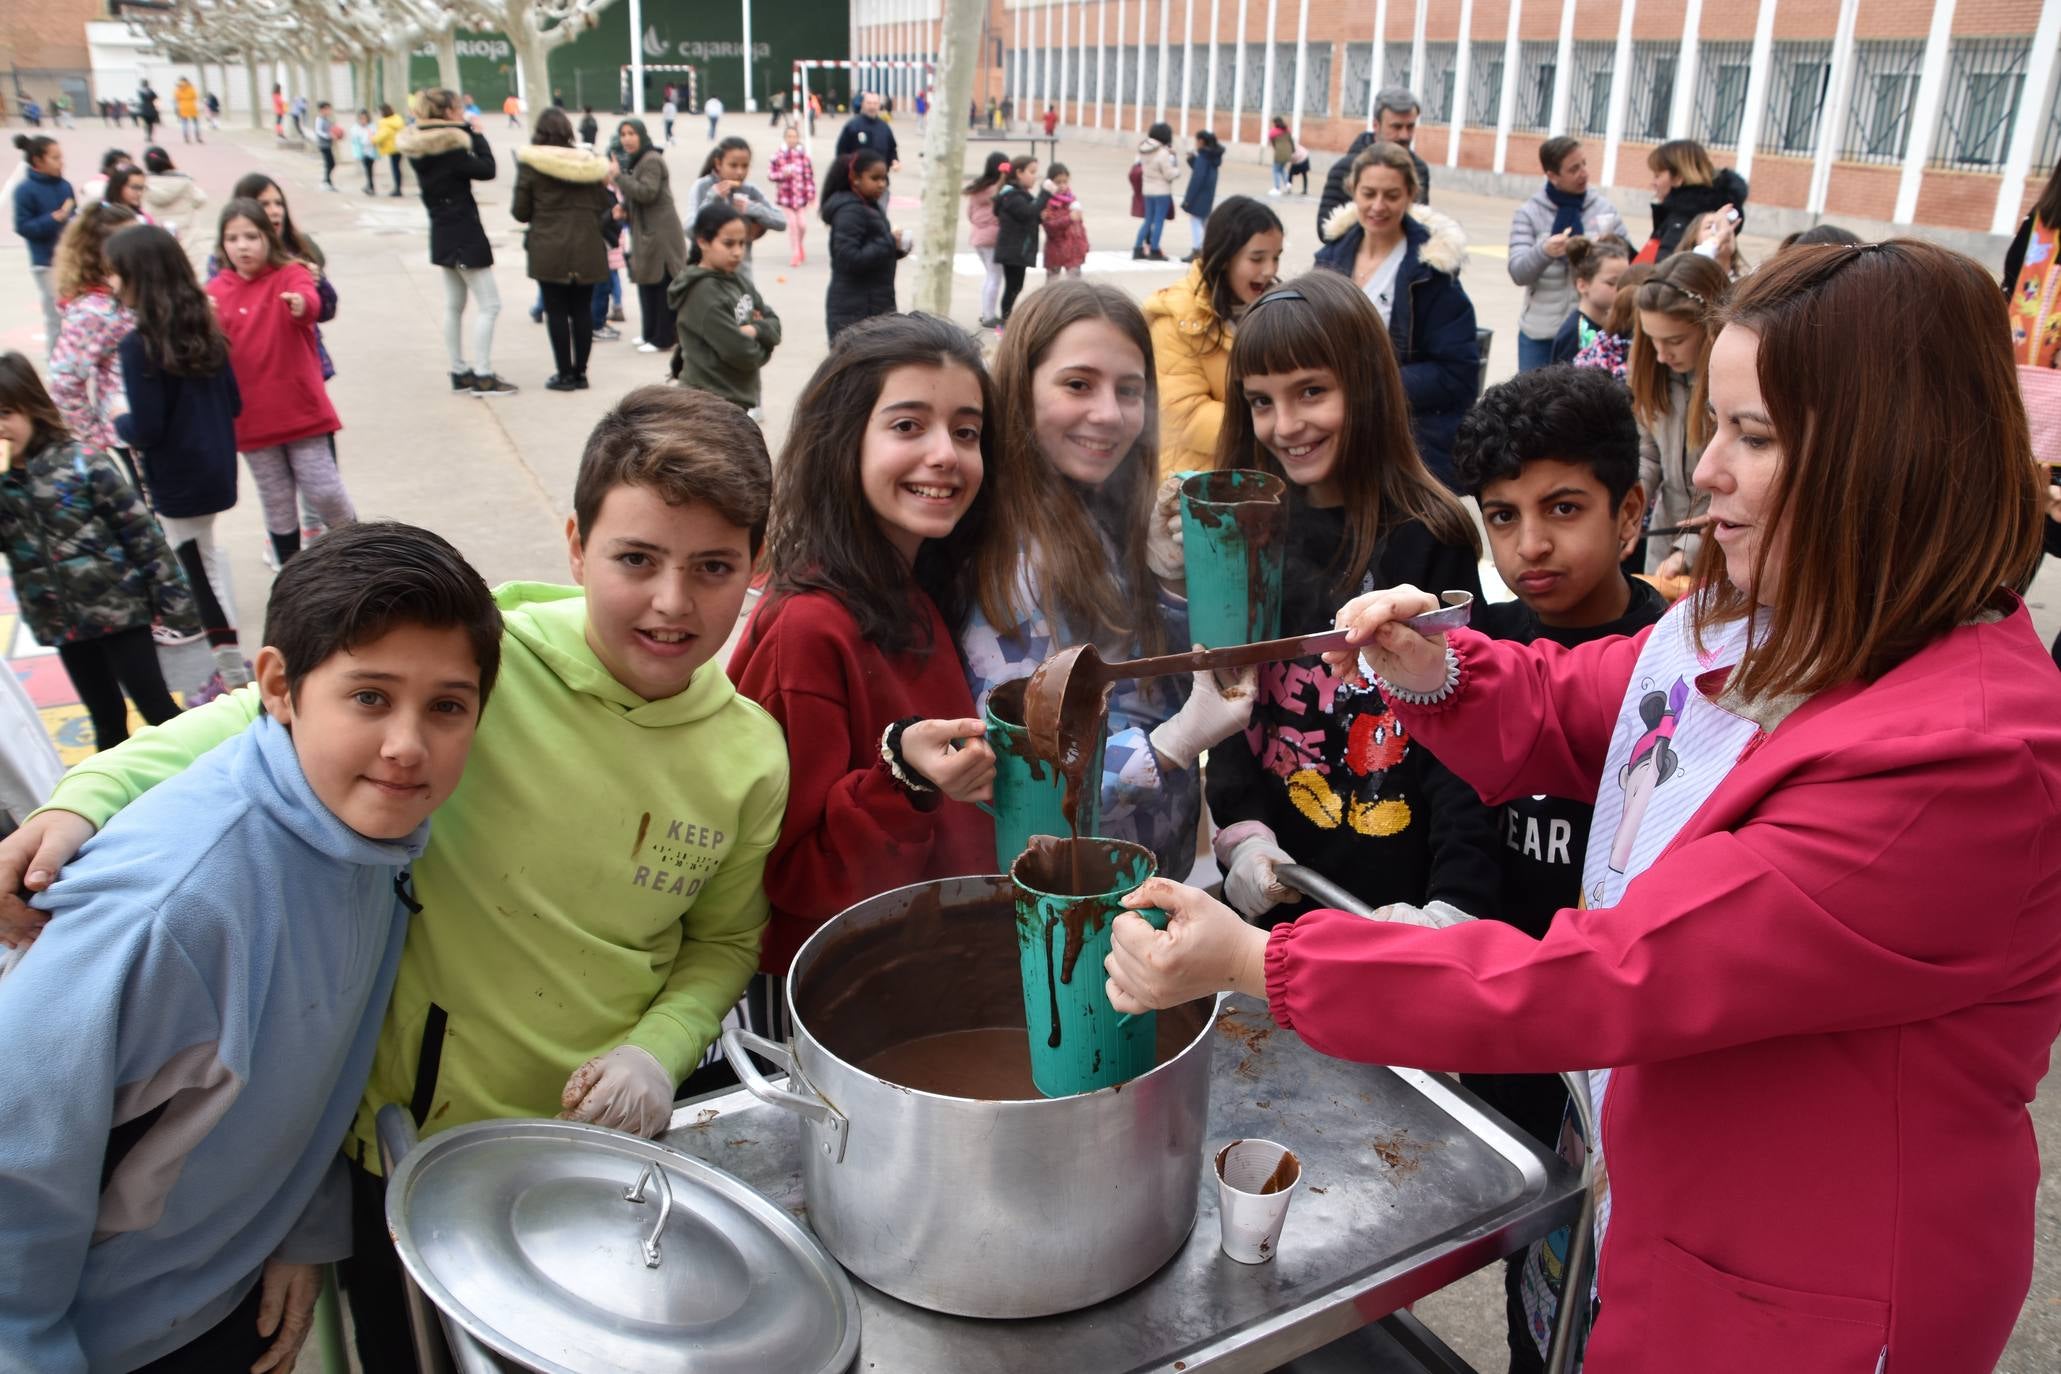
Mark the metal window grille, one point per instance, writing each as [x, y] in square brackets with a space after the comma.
[1356, 89]
[1588, 105]
[1112, 66]
[2048, 152]
[1148, 78]
[1720, 104]
[1255, 78]
[1316, 87]
[1885, 91]
[1537, 63]
[1985, 83]
[1398, 67]
[1484, 85]
[1800, 74]
[1652, 91]
[1440, 59]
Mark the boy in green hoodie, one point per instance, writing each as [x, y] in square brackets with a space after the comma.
[727, 330]
[592, 896]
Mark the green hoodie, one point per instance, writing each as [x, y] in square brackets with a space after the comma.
[595, 880]
[715, 353]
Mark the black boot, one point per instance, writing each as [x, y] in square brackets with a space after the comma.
[462, 381]
[285, 546]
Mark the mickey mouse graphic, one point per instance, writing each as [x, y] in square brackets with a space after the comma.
[1653, 761]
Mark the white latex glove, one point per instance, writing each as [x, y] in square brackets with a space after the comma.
[1213, 713]
[1433, 915]
[1163, 551]
[1249, 882]
[626, 1089]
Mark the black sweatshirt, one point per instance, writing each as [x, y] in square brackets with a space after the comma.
[1330, 770]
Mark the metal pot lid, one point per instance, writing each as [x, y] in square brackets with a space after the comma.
[573, 1249]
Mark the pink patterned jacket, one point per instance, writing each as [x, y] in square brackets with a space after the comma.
[86, 365]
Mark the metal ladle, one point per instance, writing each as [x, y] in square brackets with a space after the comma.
[1072, 686]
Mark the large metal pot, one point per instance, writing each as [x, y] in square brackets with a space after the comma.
[981, 1208]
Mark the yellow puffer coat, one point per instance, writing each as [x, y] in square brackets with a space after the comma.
[1193, 357]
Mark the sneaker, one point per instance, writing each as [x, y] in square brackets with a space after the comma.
[487, 384]
[615, 314]
[646, 346]
[559, 382]
[989, 322]
[1156, 256]
[608, 333]
[1273, 190]
[165, 634]
[207, 691]
[1137, 255]
[462, 381]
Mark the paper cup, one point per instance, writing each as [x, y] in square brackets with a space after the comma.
[1255, 1180]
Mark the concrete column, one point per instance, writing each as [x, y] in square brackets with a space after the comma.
[2025, 133]
[1022, 83]
[1065, 53]
[1463, 71]
[1757, 86]
[1506, 109]
[1238, 78]
[1379, 57]
[1269, 100]
[1620, 88]
[637, 55]
[1302, 57]
[1563, 72]
[1925, 112]
[1838, 100]
[1417, 50]
[1187, 62]
[1159, 96]
[1118, 121]
[1101, 57]
[1681, 111]
[1209, 102]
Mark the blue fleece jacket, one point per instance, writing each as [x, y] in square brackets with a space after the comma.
[36, 201]
[186, 1044]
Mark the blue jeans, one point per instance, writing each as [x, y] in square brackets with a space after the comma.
[1280, 176]
[1157, 208]
[604, 293]
[1533, 353]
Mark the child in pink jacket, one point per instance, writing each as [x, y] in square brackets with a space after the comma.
[1066, 234]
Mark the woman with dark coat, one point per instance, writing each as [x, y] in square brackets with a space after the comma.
[1202, 188]
[1687, 184]
[1430, 318]
[449, 155]
[658, 245]
[562, 193]
[864, 248]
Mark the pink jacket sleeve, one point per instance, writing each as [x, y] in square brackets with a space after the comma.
[1877, 884]
[1528, 719]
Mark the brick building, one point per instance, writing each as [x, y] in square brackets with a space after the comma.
[43, 51]
[1904, 111]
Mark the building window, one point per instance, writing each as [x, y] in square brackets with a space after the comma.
[1398, 69]
[1588, 104]
[1356, 89]
[1885, 91]
[1800, 73]
[1438, 93]
[2049, 150]
[1652, 91]
[1985, 81]
[1535, 72]
[1720, 108]
[1484, 85]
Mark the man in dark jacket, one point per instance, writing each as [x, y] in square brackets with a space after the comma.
[449, 155]
[867, 129]
[1395, 121]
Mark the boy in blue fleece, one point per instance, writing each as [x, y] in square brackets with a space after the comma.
[189, 1046]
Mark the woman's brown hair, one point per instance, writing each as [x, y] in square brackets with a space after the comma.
[1687, 287]
[1624, 309]
[1323, 321]
[1063, 533]
[1684, 159]
[22, 393]
[1907, 495]
[1393, 156]
[2047, 209]
[81, 258]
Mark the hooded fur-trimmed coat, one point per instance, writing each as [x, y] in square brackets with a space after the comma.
[560, 195]
[448, 157]
[1431, 323]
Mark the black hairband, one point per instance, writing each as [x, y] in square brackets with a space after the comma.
[1287, 293]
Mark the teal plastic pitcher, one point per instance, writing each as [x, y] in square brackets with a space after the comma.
[1029, 795]
[1234, 529]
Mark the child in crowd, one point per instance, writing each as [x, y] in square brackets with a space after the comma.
[1553, 457]
[864, 247]
[211, 990]
[173, 198]
[364, 149]
[593, 1009]
[1200, 199]
[1595, 265]
[327, 131]
[608, 293]
[181, 421]
[1193, 322]
[1325, 773]
[1092, 561]
[723, 177]
[125, 187]
[1713, 236]
[266, 303]
[1019, 203]
[1676, 312]
[384, 136]
[1611, 349]
[980, 214]
[727, 329]
[794, 176]
[304, 250]
[879, 509]
[42, 202]
[85, 366]
[1066, 233]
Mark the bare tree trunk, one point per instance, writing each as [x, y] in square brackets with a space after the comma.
[259, 109]
[395, 62]
[944, 152]
[447, 60]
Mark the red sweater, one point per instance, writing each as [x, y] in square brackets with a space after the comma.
[1831, 996]
[277, 369]
[852, 831]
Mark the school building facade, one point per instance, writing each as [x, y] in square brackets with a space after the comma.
[1888, 111]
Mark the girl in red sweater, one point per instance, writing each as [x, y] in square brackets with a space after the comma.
[266, 304]
[877, 508]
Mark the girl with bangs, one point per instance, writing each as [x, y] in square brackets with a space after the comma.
[1324, 775]
[879, 508]
[1822, 895]
[1093, 557]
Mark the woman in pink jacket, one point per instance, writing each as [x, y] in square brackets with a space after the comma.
[1822, 943]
